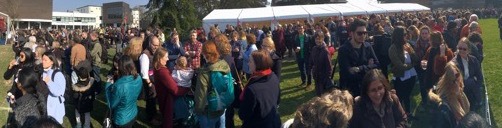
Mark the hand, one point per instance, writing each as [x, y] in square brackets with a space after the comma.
[236, 50]
[47, 79]
[442, 49]
[186, 53]
[354, 70]
[12, 63]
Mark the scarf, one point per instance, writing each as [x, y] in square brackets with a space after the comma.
[255, 75]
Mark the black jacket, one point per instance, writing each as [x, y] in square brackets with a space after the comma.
[258, 108]
[349, 57]
[26, 111]
[276, 67]
[321, 68]
[308, 43]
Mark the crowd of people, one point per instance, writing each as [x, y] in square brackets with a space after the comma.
[204, 81]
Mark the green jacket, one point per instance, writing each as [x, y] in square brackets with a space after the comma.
[96, 52]
[201, 89]
[122, 97]
[397, 59]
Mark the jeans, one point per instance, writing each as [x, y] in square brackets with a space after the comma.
[206, 122]
[403, 90]
[305, 71]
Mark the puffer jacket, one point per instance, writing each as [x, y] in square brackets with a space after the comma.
[26, 111]
[201, 88]
[122, 98]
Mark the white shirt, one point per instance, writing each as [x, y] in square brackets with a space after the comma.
[183, 77]
[410, 72]
[466, 68]
[144, 63]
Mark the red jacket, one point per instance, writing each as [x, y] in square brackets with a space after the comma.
[167, 89]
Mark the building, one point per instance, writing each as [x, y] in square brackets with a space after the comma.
[74, 20]
[92, 9]
[28, 13]
[116, 13]
[135, 18]
[444, 3]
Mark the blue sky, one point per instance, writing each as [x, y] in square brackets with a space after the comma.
[63, 5]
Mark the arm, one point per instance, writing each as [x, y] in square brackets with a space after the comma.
[201, 93]
[343, 61]
[113, 94]
[10, 72]
[57, 85]
[198, 49]
[440, 62]
[144, 64]
[96, 51]
[396, 61]
[73, 56]
[247, 106]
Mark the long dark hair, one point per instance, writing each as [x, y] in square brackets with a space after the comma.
[29, 58]
[127, 67]
[398, 36]
[374, 75]
[52, 57]
[28, 80]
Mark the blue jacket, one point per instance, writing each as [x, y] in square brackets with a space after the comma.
[174, 52]
[247, 55]
[55, 100]
[122, 98]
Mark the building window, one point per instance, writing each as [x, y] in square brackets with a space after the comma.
[58, 18]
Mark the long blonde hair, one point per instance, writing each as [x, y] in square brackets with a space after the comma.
[451, 91]
[135, 48]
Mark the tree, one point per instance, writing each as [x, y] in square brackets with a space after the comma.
[170, 14]
[11, 8]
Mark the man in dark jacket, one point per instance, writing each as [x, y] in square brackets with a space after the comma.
[303, 46]
[355, 58]
[450, 35]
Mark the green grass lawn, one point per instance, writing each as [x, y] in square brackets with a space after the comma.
[292, 95]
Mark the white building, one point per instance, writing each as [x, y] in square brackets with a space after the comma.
[74, 20]
[135, 18]
[92, 9]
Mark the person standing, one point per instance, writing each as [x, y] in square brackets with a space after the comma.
[166, 87]
[302, 44]
[122, 95]
[261, 96]
[146, 72]
[251, 46]
[174, 49]
[403, 60]
[355, 58]
[321, 65]
[193, 49]
[55, 81]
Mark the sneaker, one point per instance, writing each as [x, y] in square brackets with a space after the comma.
[302, 84]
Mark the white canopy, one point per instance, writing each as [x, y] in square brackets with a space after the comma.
[348, 9]
[221, 17]
[270, 14]
[256, 14]
[370, 9]
[289, 12]
[321, 10]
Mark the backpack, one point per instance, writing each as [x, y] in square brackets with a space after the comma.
[68, 91]
[221, 91]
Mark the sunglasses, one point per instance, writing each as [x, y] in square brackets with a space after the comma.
[463, 49]
[362, 33]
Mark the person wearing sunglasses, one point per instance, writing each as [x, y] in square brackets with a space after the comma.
[355, 58]
[470, 69]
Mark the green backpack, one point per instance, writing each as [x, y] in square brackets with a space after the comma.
[221, 91]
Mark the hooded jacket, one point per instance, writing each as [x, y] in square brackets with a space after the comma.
[201, 89]
[122, 98]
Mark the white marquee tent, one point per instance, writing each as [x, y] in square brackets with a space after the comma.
[268, 15]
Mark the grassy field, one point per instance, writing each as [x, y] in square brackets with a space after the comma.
[292, 95]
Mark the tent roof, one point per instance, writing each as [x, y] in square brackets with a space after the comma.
[321, 10]
[370, 9]
[256, 14]
[289, 12]
[347, 9]
[223, 15]
[390, 7]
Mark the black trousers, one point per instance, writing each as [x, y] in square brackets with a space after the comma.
[127, 125]
[403, 90]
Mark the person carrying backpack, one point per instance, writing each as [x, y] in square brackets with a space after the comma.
[56, 83]
[212, 93]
